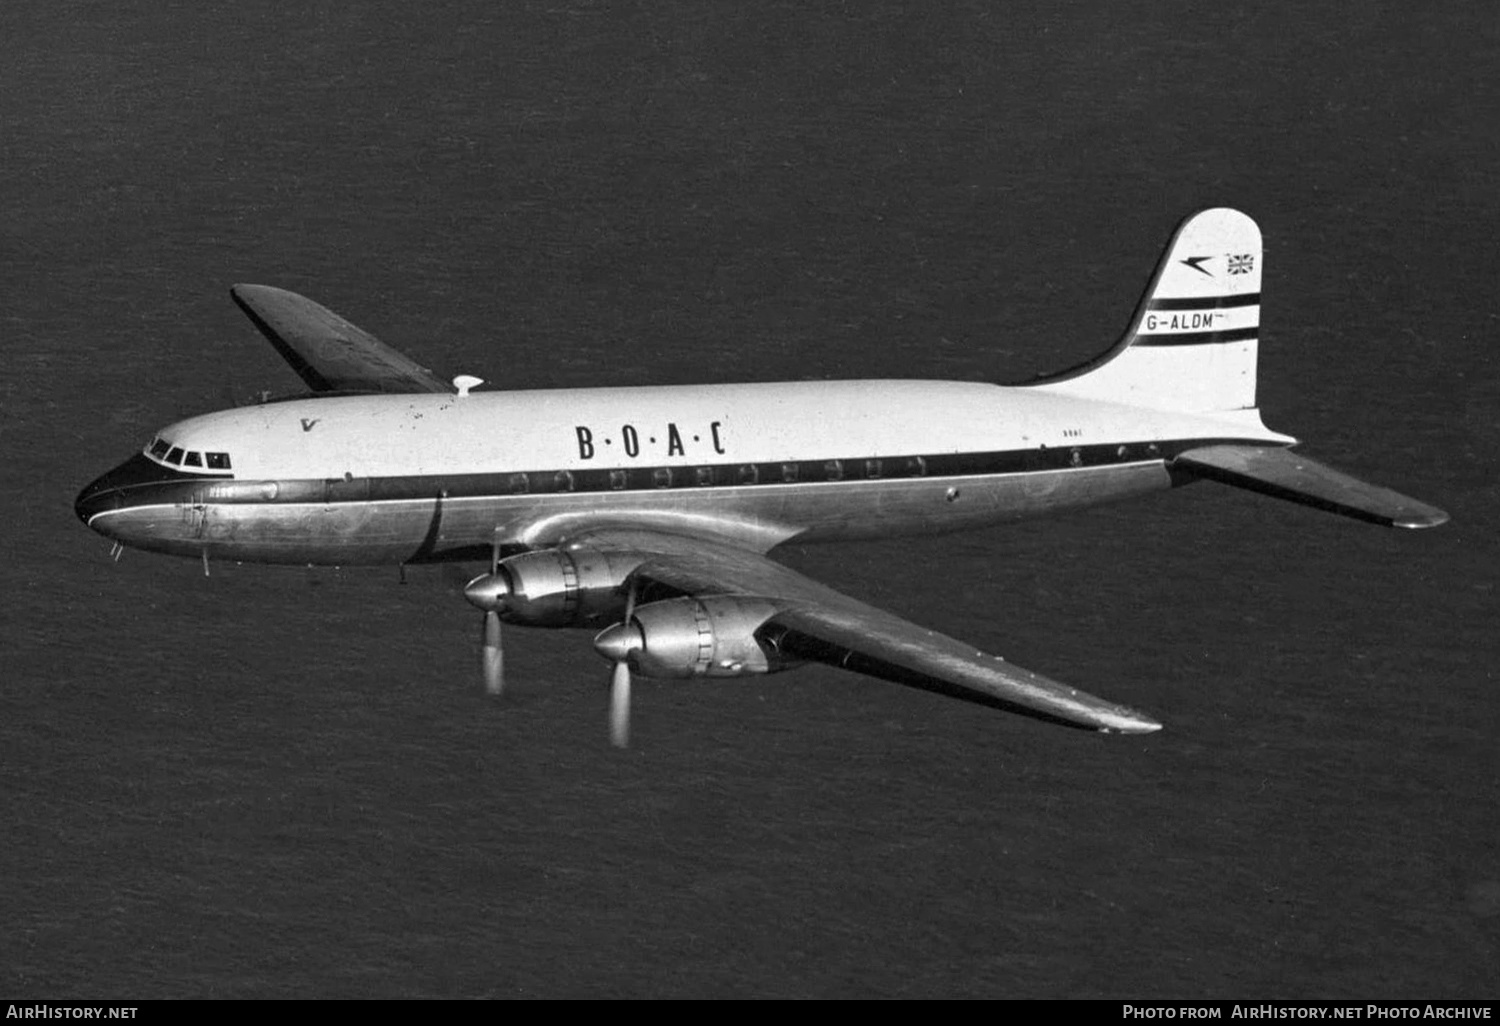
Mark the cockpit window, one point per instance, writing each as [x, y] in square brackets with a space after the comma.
[176, 455]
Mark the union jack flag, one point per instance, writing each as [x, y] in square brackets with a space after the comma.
[1244, 263]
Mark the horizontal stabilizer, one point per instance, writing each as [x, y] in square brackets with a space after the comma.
[1292, 476]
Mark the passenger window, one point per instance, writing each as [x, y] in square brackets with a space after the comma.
[519, 485]
[872, 468]
[789, 472]
[159, 448]
[192, 459]
[218, 461]
[175, 456]
[916, 466]
[749, 474]
[833, 470]
[562, 481]
[617, 479]
[705, 475]
[662, 477]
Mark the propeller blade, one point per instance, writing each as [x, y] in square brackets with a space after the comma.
[493, 659]
[619, 705]
[619, 681]
[488, 592]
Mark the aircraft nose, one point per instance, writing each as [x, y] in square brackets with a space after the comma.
[100, 495]
[120, 487]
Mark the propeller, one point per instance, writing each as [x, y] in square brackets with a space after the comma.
[488, 592]
[619, 705]
[492, 659]
[616, 643]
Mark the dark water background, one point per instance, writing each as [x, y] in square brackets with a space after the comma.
[286, 782]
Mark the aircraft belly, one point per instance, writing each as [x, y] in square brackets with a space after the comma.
[933, 505]
[757, 517]
[336, 534]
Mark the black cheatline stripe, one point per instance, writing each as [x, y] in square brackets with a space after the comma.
[656, 478]
[1193, 338]
[1206, 302]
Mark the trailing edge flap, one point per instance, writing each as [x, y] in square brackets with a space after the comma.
[817, 623]
[1292, 476]
[867, 640]
[328, 352]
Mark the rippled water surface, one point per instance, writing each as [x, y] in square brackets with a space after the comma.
[287, 782]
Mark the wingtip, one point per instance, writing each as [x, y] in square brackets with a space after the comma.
[1432, 517]
[1133, 723]
[245, 288]
[245, 294]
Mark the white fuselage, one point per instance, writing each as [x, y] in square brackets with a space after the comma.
[401, 478]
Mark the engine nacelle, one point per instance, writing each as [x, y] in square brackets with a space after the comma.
[707, 637]
[578, 587]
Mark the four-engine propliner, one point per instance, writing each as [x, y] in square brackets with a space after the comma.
[650, 512]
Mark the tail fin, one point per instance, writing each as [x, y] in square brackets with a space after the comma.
[1194, 341]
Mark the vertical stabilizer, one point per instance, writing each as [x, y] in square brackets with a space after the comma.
[1194, 341]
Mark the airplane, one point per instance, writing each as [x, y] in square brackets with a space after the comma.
[651, 512]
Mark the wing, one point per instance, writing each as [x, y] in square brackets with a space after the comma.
[815, 622]
[328, 352]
